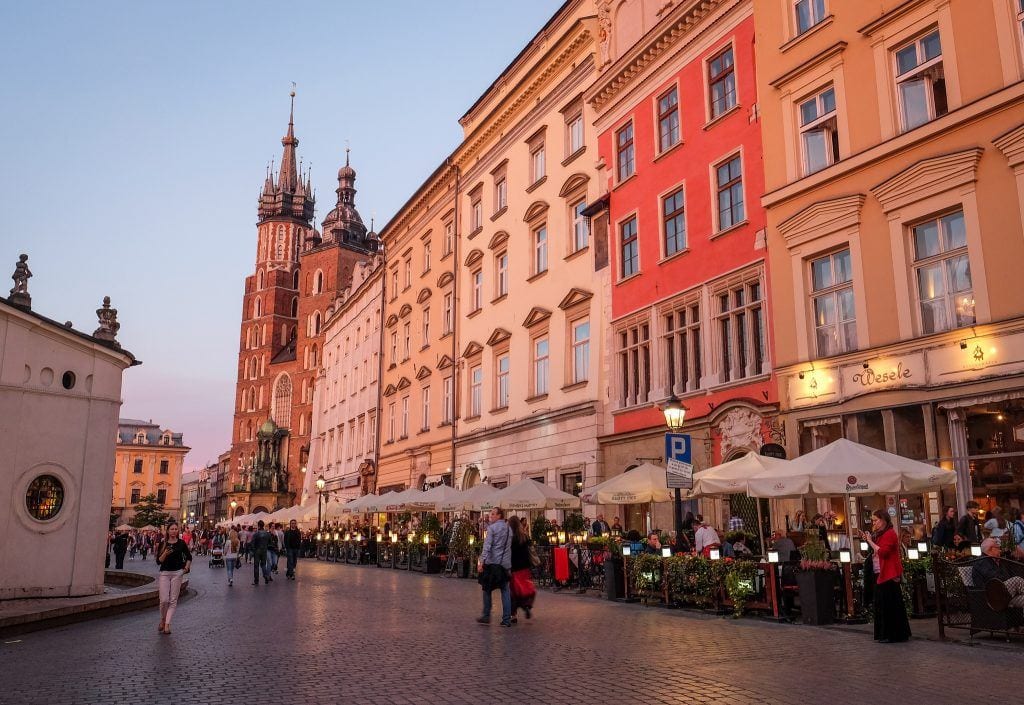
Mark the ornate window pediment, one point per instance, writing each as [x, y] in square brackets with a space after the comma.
[822, 218]
[404, 311]
[536, 315]
[1011, 145]
[499, 335]
[574, 298]
[928, 177]
[474, 257]
[423, 372]
[392, 320]
[389, 390]
[574, 183]
[423, 295]
[404, 383]
[445, 279]
[499, 240]
[473, 348]
[444, 363]
[536, 211]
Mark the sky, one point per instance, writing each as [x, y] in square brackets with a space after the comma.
[136, 137]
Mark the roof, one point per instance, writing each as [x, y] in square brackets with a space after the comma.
[113, 346]
[128, 429]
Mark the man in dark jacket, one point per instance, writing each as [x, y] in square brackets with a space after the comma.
[292, 546]
[260, 548]
[120, 548]
[968, 529]
[600, 526]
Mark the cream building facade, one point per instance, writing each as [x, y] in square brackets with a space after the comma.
[149, 461]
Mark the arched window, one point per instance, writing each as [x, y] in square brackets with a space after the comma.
[248, 338]
[255, 369]
[263, 338]
[318, 282]
[284, 333]
[294, 332]
[281, 407]
[316, 323]
[249, 431]
[302, 425]
[295, 305]
[259, 279]
[257, 308]
[295, 280]
[312, 356]
[252, 398]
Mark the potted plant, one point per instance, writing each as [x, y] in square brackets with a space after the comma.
[739, 584]
[816, 581]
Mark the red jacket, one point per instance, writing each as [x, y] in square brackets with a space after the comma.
[889, 562]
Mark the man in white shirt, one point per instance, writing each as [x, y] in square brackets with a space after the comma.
[706, 538]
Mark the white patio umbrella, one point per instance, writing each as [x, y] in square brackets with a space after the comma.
[732, 477]
[480, 497]
[641, 485]
[357, 505]
[441, 498]
[401, 500]
[377, 503]
[529, 494]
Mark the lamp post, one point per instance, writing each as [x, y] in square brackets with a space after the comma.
[234, 506]
[320, 502]
[675, 414]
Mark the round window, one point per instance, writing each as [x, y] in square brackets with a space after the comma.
[68, 380]
[45, 497]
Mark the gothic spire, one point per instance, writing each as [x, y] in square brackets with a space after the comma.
[289, 177]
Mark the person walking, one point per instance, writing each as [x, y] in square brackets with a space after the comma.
[891, 623]
[231, 547]
[278, 546]
[273, 548]
[292, 546]
[494, 566]
[523, 591]
[175, 561]
[120, 548]
[260, 546]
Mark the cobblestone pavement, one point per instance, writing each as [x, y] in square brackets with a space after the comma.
[361, 634]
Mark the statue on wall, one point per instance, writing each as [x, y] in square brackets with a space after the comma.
[367, 478]
[740, 429]
[19, 294]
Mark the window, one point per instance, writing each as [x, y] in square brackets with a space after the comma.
[624, 151]
[426, 326]
[668, 120]
[741, 331]
[449, 239]
[138, 466]
[161, 496]
[394, 346]
[722, 83]
[580, 227]
[405, 417]
[446, 412]
[477, 290]
[674, 219]
[501, 368]
[44, 497]
[572, 483]
[318, 282]
[634, 362]
[540, 249]
[574, 134]
[501, 272]
[537, 167]
[500, 193]
[446, 321]
[808, 14]
[391, 422]
[920, 81]
[425, 418]
[943, 273]
[835, 320]
[580, 351]
[407, 340]
[476, 382]
[629, 248]
[408, 272]
[540, 366]
[1020, 17]
[682, 348]
[164, 467]
[394, 284]
[819, 137]
[426, 256]
[136, 495]
[729, 177]
[476, 213]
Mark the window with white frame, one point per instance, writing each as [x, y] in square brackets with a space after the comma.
[668, 119]
[580, 226]
[808, 13]
[405, 416]
[406, 340]
[742, 335]
[540, 249]
[426, 326]
[729, 184]
[476, 279]
[394, 347]
[425, 409]
[920, 80]
[722, 83]
[448, 244]
[408, 271]
[502, 364]
[446, 400]
[633, 353]
[673, 216]
[629, 248]
[476, 213]
[537, 165]
[391, 422]
[426, 256]
[574, 133]
[500, 193]
[540, 366]
[943, 273]
[835, 318]
[580, 337]
[501, 273]
[819, 133]
[625, 154]
[476, 390]
[394, 283]
[446, 319]
[682, 341]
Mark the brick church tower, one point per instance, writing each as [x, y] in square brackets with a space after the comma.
[298, 274]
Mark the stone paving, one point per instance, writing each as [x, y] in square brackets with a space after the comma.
[360, 634]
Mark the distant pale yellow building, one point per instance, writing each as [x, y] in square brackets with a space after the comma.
[148, 460]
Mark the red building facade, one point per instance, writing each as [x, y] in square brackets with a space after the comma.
[680, 144]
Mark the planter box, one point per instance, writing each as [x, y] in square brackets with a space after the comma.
[817, 596]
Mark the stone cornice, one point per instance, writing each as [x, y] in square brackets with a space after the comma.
[1012, 146]
[822, 56]
[928, 177]
[822, 218]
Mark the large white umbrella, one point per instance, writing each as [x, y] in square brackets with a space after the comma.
[376, 503]
[402, 499]
[732, 477]
[358, 504]
[441, 498]
[529, 494]
[644, 483]
[480, 497]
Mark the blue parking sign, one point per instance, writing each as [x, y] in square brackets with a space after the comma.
[677, 447]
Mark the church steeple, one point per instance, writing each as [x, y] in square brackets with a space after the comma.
[289, 172]
[284, 194]
[343, 224]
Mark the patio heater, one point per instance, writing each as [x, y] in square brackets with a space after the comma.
[320, 483]
[675, 414]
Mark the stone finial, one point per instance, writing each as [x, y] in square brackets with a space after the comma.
[108, 322]
[19, 294]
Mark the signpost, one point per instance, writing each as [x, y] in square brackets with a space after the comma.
[678, 470]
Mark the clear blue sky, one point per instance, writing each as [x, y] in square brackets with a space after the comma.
[136, 137]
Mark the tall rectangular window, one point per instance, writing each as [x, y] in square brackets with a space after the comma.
[447, 400]
[537, 165]
[668, 120]
[574, 133]
[138, 466]
[540, 249]
[406, 340]
[448, 244]
[633, 352]
[446, 321]
[808, 14]
[161, 496]
[405, 417]
[742, 336]
[425, 417]
[920, 81]
[426, 326]
[476, 391]
[835, 319]
[476, 214]
[500, 193]
[408, 272]
[391, 421]
[501, 368]
[943, 273]
[580, 227]
[394, 347]
[580, 351]
[819, 135]
[674, 221]
[629, 248]
[540, 366]
[426, 256]
[477, 290]
[682, 348]
[394, 283]
[722, 83]
[729, 179]
[501, 267]
[164, 467]
[624, 151]
[136, 495]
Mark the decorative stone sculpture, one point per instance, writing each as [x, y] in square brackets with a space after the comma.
[19, 294]
[108, 322]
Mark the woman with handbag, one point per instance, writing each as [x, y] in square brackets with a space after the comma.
[523, 557]
[231, 545]
[175, 560]
[891, 623]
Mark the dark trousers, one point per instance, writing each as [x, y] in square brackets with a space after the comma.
[119, 559]
[260, 562]
[292, 556]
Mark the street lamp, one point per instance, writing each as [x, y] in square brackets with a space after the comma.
[234, 506]
[675, 414]
[320, 501]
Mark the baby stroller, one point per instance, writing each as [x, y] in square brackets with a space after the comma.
[217, 557]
